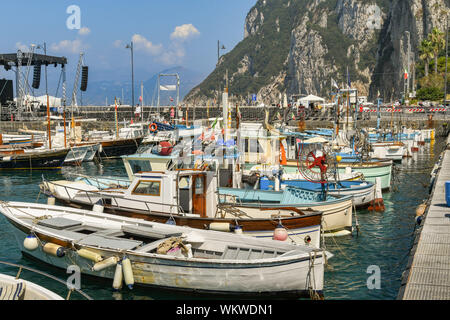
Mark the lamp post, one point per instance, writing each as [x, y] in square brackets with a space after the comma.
[218, 58]
[218, 50]
[446, 63]
[130, 46]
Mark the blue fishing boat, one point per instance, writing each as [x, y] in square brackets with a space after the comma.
[337, 210]
[363, 192]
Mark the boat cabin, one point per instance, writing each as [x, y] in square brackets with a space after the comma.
[141, 162]
[186, 192]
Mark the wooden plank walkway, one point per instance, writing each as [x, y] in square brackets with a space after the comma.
[427, 276]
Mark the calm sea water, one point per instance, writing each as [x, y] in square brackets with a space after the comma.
[384, 239]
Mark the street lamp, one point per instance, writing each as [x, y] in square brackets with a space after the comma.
[218, 58]
[130, 46]
[218, 50]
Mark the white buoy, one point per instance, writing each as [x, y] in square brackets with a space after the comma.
[51, 201]
[90, 255]
[219, 226]
[31, 243]
[111, 261]
[118, 277]
[238, 229]
[127, 272]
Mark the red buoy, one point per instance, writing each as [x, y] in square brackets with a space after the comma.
[280, 233]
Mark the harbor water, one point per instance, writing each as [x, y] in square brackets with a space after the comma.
[380, 248]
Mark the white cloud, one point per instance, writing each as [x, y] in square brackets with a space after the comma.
[22, 47]
[184, 32]
[173, 55]
[84, 31]
[118, 44]
[68, 46]
[142, 43]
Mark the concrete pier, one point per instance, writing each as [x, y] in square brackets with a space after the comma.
[427, 276]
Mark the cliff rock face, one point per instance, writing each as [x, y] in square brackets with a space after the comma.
[298, 46]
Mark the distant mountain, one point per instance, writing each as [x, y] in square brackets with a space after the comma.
[102, 92]
[188, 80]
[298, 46]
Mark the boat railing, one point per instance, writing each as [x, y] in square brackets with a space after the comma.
[102, 195]
[21, 268]
[119, 182]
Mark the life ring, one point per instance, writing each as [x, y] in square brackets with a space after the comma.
[153, 127]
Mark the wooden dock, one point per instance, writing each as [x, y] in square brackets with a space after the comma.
[427, 276]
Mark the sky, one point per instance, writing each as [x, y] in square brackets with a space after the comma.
[165, 33]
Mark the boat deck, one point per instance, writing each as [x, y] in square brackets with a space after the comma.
[427, 276]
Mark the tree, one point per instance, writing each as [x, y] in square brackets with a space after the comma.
[436, 37]
[426, 53]
[430, 94]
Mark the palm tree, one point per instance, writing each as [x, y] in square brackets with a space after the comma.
[426, 53]
[436, 37]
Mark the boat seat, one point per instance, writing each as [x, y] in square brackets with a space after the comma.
[59, 223]
[239, 253]
[110, 242]
[14, 291]
[148, 232]
[73, 235]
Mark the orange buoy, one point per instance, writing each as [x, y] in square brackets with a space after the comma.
[153, 127]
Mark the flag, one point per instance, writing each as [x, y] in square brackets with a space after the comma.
[406, 74]
[334, 83]
[167, 87]
[215, 122]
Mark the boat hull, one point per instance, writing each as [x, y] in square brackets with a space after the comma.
[119, 147]
[34, 161]
[288, 277]
[336, 214]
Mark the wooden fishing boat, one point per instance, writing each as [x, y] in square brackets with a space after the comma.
[146, 253]
[189, 198]
[19, 289]
[33, 159]
[337, 210]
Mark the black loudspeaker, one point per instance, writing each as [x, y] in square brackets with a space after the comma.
[37, 76]
[6, 91]
[84, 78]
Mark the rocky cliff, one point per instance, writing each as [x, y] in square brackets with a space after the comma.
[298, 46]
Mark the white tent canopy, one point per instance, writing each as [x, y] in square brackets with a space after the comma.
[42, 100]
[311, 98]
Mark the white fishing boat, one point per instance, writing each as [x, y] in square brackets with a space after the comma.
[388, 150]
[19, 289]
[186, 197]
[146, 253]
